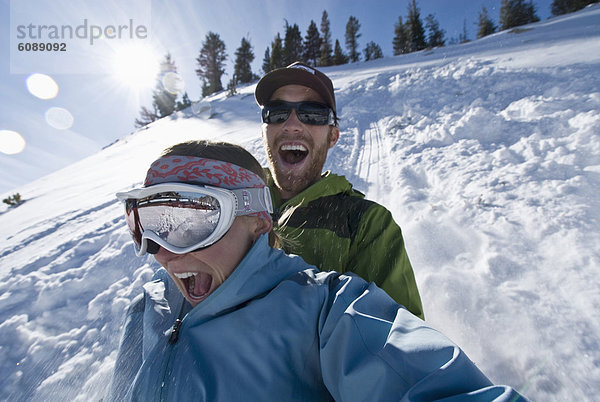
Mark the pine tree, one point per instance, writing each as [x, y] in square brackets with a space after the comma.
[464, 36]
[400, 42]
[266, 66]
[560, 7]
[416, 32]
[277, 60]
[232, 86]
[352, 35]
[211, 63]
[244, 56]
[485, 26]
[293, 50]
[205, 88]
[163, 97]
[14, 200]
[312, 44]
[530, 12]
[435, 36]
[514, 13]
[325, 57]
[507, 14]
[147, 116]
[185, 102]
[373, 51]
[338, 54]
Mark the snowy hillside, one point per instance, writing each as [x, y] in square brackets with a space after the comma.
[487, 154]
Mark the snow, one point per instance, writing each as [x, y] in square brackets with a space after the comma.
[486, 153]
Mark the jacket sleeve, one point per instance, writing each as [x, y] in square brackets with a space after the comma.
[373, 349]
[379, 256]
[129, 357]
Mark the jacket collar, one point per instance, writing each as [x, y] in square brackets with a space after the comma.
[330, 184]
[261, 270]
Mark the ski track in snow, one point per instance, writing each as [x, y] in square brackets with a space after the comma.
[379, 172]
[489, 159]
[372, 162]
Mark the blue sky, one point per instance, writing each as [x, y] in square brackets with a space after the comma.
[103, 107]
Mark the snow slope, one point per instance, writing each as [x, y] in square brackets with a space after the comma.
[487, 154]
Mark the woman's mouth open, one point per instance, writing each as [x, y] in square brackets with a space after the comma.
[197, 284]
[293, 154]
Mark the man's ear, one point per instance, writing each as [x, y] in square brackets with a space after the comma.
[334, 136]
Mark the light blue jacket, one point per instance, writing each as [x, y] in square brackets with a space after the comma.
[278, 329]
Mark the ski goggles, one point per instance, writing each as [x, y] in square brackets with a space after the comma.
[312, 113]
[185, 217]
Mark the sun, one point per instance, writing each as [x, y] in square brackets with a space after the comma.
[135, 66]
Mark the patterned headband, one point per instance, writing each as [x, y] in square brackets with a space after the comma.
[194, 170]
[191, 169]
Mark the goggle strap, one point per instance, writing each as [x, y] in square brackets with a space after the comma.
[251, 200]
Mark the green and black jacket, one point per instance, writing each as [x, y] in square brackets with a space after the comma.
[333, 227]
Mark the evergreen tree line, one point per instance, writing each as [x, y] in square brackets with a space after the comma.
[514, 13]
[560, 7]
[316, 49]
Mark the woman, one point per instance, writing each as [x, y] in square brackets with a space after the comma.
[228, 317]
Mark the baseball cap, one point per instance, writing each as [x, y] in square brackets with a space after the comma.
[299, 74]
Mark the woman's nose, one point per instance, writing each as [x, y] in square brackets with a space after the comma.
[163, 255]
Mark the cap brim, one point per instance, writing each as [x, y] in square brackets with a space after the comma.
[291, 76]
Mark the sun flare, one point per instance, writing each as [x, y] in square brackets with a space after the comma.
[11, 142]
[135, 66]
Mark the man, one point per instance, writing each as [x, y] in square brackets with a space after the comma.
[322, 217]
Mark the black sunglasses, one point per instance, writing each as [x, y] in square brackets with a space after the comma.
[313, 113]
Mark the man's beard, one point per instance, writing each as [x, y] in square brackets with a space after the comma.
[295, 181]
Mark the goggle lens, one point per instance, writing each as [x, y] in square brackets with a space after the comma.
[179, 226]
[312, 113]
[179, 219]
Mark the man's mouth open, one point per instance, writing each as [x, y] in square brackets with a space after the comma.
[197, 284]
[293, 154]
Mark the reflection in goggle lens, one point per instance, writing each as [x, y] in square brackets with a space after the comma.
[180, 219]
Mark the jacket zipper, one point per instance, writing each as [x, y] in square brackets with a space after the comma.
[175, 332]
[173, 338]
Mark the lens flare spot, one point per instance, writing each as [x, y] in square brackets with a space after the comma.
[202, 109]
[173, 82]
[59, 118]
[42, 86]
[11, 142]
